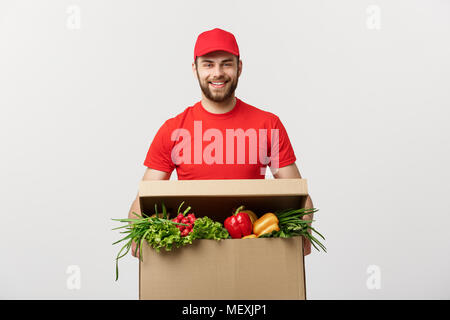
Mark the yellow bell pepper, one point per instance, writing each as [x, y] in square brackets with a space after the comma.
[251, 214]
[250, 236]
[266, 224]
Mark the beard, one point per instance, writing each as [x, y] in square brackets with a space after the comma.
[219, 95]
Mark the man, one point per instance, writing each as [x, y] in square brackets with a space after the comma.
[222, 116]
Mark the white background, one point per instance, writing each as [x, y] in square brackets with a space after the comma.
[362, 88]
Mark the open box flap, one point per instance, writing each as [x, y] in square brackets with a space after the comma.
[225, 187]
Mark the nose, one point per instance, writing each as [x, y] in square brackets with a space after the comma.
[217, 72]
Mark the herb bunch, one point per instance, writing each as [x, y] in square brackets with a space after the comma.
[158, 232]
[291, 224]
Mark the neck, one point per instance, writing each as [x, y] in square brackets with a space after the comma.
[218, 107]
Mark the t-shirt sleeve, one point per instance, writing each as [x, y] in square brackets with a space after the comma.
[286, 155]
[159, 154]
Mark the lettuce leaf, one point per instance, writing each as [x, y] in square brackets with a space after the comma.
[205, 228]
[166, 235]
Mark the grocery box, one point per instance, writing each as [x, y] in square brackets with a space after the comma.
[230, 269]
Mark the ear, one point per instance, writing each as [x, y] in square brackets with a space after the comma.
[194, 71]
[240, 67]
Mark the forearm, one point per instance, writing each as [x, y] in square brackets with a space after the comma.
[135, 207]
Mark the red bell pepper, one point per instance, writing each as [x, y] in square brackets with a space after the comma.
[239, 224]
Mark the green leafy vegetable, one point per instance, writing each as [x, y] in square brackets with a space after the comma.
[205, 228]
[158, 232]
[291, 224]
[163, 233]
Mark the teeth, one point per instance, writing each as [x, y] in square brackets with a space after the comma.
[217, 83]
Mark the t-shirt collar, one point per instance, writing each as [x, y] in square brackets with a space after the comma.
[225, 115]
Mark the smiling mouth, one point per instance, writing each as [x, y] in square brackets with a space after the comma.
[218, 84]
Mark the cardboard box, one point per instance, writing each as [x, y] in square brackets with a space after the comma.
[249, 269]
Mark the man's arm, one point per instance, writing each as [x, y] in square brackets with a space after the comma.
[150, 174]
[291, 172]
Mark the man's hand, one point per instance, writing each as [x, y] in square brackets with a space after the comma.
[306, 241]
[133, 249]
[291, 172]
[150, 174]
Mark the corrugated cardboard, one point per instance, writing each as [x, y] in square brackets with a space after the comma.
[240, 269]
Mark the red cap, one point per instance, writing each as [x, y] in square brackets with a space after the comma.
[213, 40]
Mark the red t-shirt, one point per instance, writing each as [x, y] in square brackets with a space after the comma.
[238, 144]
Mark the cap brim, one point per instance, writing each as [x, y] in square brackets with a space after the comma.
[206, 51]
